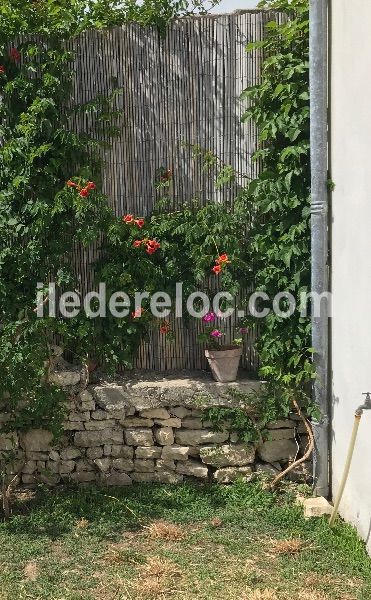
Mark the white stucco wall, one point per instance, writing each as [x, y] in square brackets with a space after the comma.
[351, 249]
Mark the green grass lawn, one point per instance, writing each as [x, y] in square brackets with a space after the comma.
[177, 542]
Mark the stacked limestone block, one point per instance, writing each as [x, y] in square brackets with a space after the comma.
[150, 430]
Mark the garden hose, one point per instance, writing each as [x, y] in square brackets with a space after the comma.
[348, 462]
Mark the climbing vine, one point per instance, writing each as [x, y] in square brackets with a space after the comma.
[279, 197]
[278, 205]
[42, 219]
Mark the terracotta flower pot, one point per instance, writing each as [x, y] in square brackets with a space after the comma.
[224, 363]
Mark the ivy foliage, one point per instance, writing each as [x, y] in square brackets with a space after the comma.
[280, 196]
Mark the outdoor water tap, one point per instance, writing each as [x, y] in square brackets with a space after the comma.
[366, 405]
[357, 420]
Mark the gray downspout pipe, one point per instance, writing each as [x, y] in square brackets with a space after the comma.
[319, 234]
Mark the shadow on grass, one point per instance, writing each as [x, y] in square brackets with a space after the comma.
[110, 511]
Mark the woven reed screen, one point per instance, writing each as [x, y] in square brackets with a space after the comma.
[176, 92]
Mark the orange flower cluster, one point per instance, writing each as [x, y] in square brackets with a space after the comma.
[151, 245]
[166, 175]
[165, 327]
[83, 191]
[14, 54]
[220, 262]
[130, 220]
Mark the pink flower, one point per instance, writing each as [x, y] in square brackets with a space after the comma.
[209, 317]
[243, 330]
[216, 333]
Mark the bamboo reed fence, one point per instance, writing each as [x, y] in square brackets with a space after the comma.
[177, 91]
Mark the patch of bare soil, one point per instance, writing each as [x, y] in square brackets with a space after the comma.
[31, 570]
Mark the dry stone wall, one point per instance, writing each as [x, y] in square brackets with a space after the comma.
[150, 429]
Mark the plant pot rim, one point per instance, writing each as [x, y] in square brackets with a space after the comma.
[236, 350]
